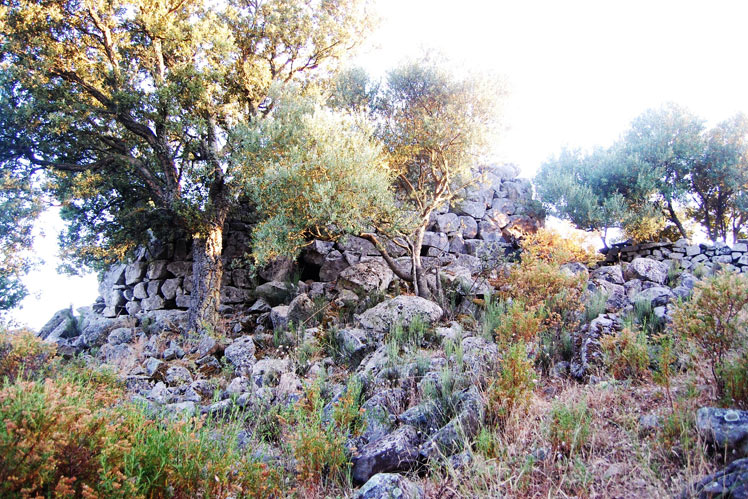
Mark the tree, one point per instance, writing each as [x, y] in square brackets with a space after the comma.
[667, 166]
[719, 179]
[662, 146]
[130, 110]
[19, 206]
[584, 189]
[314, 174]
[434, 127]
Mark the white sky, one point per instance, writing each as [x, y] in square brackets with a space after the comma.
[578, 73]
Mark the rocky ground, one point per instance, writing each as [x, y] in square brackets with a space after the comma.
[414, 375]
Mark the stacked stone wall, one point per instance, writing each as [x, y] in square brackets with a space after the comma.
[486, 221]
[686, 255]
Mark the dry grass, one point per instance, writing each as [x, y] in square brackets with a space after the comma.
[620, 459]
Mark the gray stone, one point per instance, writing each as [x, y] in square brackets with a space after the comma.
[177, 375]
[468, 227]
[165, 320]
[279, 316]
[241, 354]
[61, 325]
[657, 296]
[490, 232]
[157, 269]
[95, 329]
[179, 269]
[170, 287]
[610, 273]
[396, 451]
[267, 371]
[646, 269]
[471, 208]
[449, 222]
[134, 272]
[114, 276]
[457, 244]
[274, 292]
[368, 276]
[728, 483]
[693, 250]
[259, 306]
[333, 265]
[726, 429]
[389, 486]
[401, 309]
[316, 252]
[140, 291]
[152, 303]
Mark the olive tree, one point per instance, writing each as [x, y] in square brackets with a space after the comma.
[129, 108]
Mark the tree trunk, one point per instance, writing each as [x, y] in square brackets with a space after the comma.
[674, 218]
[419, 275]
[207, 271]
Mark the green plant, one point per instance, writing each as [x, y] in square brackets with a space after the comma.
[676, 436]
[715, 320]
[595, 305]
[627, 355]
[734, 377]
[700, 270]
[645, 318]
[23, 355]
[568, 427]
[665, 360]
[517, 323]
[674, 271]
[510, 391]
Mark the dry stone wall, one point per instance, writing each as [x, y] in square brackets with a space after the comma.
[486, 222]
[688, 256]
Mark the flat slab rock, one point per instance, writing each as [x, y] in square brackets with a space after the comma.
[393, 452]
[730, 482]
[724, 428]
[401, 309]
[388, 486]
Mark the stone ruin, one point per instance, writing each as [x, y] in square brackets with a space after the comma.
[485, 223]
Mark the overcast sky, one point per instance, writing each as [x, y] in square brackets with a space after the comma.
[578, 72]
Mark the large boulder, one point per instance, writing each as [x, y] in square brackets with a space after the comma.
[401, 309]
[95, 329]
[646, 269]
[396, 451]
[368, 276]
[241, 354]
[726, 429]
[61, 325]
[656, 296]
[273, 292]
[389, 486]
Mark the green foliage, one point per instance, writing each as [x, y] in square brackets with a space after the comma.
[510, 391]
[595, 305]
[627, 355]
[733, 375]
[664, 162]
[568, 427]
[715, 320]
[313, 173]
[19, 206]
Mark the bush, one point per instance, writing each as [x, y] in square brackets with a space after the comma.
[734, 377]
[715, 320]
[516, 323]
[569, 427]
[627, 355]
[510, 391]
[23, 355]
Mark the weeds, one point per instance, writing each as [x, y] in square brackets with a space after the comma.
[569, 428]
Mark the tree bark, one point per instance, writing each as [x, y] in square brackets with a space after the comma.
[674, 218]
[207, 271]
[419, 275]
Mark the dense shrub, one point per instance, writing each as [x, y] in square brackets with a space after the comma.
[627, 355]
[715, 320]
[510, 391]
[568, 427]
[22, 353]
